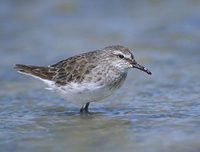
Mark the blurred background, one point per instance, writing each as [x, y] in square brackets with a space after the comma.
[149, 113]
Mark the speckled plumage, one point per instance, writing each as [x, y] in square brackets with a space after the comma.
[87, 77]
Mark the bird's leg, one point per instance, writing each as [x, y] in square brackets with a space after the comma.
[85, 107]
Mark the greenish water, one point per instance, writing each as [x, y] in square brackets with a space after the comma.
[149, 113]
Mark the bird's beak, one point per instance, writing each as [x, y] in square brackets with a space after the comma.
[137, 66]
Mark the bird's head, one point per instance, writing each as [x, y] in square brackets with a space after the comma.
[122, 58]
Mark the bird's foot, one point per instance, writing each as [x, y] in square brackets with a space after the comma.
[84, 109]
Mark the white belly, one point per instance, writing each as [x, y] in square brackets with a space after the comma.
[81, 94]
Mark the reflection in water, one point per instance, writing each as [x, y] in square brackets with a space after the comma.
[157, 113]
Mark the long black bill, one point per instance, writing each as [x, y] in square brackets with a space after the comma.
[137, 66]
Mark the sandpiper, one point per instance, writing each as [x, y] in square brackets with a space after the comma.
[88, 77]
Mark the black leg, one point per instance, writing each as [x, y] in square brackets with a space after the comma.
[84, 109]
[87, 106]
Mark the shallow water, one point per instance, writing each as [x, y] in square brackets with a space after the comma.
[149, 113]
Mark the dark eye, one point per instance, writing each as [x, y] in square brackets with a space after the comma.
[120, 56]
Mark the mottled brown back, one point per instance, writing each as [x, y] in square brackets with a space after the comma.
[74, 68]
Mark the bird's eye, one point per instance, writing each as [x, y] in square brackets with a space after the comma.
[120, 56]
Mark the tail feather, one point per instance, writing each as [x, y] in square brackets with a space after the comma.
[38, 71]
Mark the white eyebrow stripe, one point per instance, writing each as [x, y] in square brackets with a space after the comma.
[117, 52]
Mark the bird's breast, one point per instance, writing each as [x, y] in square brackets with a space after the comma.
[117, 82]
